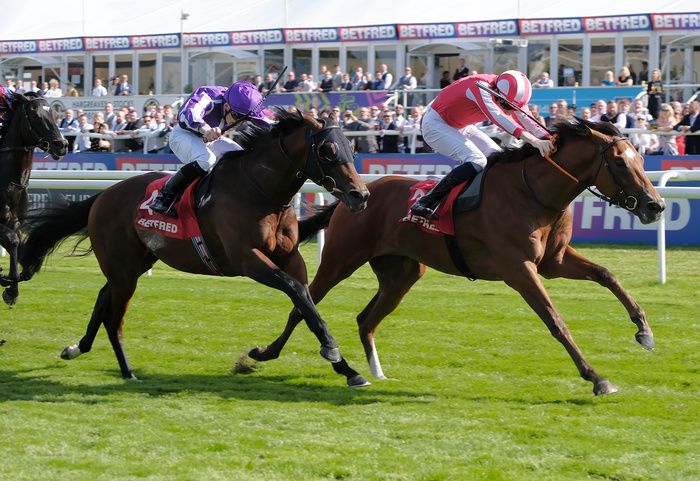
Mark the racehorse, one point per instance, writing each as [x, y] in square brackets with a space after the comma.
[522, 228]
[245, 217]
[32, 126]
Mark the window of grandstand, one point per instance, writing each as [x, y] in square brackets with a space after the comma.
[602, 59]
[147, 73]
[505, 57]
[636, 51]
[76, 71]
[223, 73]
[246, 69]
[274, 61]
[100, 69]
[328, 57]
[386, 55]
[170, 73]
[570, 62]
[124, 65]
[301, 61]
[539, 57]
[356, 57]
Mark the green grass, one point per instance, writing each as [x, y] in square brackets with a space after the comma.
[482, 391]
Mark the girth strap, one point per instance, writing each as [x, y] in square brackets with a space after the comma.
[458, 258]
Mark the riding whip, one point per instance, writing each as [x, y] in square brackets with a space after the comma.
[510, 104]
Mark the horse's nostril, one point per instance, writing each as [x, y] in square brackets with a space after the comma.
[656, 207]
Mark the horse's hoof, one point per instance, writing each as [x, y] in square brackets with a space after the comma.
[130, 377]
[2, 341]
[262, 354]
[10, 296]
[358, 381]
[646, 340]
[70, 352]
[604, 388]
[331, 354]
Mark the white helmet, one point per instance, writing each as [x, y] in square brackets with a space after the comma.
[514, 86]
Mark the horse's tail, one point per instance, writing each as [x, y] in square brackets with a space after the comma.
[311, 225]
[46, 230]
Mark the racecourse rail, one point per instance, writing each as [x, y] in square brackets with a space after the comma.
[101, 179]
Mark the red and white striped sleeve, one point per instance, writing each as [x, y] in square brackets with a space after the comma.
[531, 126]
[492, 110]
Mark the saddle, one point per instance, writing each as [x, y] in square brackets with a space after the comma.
[462, 198]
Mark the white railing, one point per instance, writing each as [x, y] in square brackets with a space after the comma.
[98, 180]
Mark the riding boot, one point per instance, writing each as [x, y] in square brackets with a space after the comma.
[174, 187]
[427, 205]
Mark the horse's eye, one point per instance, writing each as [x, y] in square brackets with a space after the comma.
[620, 162]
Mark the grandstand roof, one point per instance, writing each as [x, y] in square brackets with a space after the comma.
[44, 19]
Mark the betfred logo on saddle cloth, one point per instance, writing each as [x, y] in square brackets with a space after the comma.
[444, 224]
[185, 226]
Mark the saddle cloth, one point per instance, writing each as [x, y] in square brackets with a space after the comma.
[185, 226]
[462, 198]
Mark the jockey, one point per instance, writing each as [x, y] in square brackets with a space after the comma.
[197, 139]
[448, 127]
[5, 111]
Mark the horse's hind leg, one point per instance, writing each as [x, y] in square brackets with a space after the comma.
[10, 240]
[100, 314]
[575, 266]
[396, 276]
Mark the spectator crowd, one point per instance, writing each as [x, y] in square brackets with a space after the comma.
[394, 127]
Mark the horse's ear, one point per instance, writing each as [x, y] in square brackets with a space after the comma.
[299, 113]
[21, 98]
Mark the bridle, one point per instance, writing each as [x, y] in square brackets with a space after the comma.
[621, 198]
[316, 162]
[37, 141]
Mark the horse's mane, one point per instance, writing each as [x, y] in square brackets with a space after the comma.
[254, 134]
[565, 130]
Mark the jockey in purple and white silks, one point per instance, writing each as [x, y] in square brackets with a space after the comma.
[197, 139]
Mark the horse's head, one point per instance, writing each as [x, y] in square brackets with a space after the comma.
[621, 179]
[37, 128]
[330, 164]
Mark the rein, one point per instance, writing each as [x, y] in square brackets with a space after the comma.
[623, 200]
[314, 163]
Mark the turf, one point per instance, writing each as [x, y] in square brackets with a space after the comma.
[481, 390]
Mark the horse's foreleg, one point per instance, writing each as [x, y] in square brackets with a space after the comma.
[261, 269]
[575, 266]
[526, 281]
[120, 293]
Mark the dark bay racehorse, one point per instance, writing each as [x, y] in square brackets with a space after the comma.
[246, 220]
[32, 126]
[521, 229]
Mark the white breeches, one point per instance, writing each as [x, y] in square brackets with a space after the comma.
[190, 147]
[462, 145]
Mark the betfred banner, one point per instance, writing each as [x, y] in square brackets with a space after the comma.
[594, 220]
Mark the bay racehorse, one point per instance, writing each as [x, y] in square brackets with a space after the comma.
[521, 229]
[32, 126]
[245, 216]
